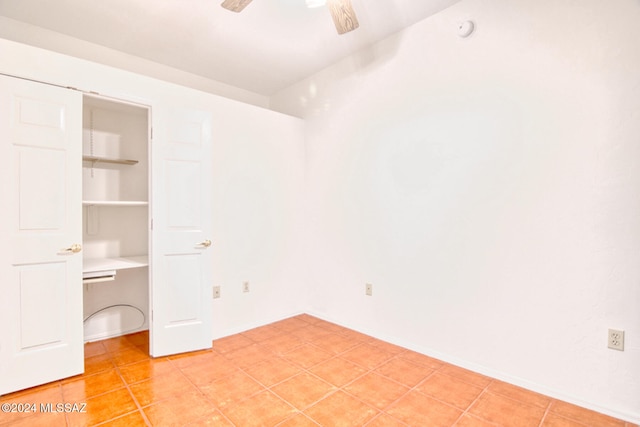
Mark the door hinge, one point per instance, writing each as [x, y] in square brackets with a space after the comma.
[152, 223]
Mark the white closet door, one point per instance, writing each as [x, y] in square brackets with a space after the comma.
[41, 269]
[181, 212]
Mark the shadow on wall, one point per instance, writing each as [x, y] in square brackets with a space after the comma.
[344, 74]
[333, 85]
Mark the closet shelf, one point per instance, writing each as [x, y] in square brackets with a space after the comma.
[114, 203]
[93, 265]
[95, 159]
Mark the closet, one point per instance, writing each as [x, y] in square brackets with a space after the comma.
[115, 212]
[106, 226]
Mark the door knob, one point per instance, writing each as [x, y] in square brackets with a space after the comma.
[206, 243]
[75, 248]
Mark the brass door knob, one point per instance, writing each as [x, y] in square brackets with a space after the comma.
[75, 248]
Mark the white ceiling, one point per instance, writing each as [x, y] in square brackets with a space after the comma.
[269, 46]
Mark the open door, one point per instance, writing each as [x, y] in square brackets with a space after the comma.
[41, 232]
[181, 267]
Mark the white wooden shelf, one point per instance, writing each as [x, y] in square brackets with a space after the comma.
[95, 160]
[93, 265]
[114, 203]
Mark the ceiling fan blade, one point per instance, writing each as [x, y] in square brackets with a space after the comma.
[343, 15]
[235, 5]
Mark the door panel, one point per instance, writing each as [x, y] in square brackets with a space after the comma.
[41, 304]
[181, 212]
[183, 208]
[32, 115]
[184, 281]
[41, 189]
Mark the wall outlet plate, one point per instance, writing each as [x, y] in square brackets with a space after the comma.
[216, 292]
[616, 339]
[245, 287]
[368, 289]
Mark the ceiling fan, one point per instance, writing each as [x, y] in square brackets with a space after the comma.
[341, 11]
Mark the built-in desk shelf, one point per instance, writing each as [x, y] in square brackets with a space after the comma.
[96, 270]
[124, 203]
[95, 160]
[93, 265]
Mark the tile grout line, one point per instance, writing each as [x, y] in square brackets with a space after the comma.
[218, 409]
[301, 370]
[466, 411]
[520, 402]
[564, 417]
[546, 412]
[295, 415]
[66, 415]
[135, 399]
[340, 389]
[307, 370]
[410, 389]
[380, 415]
[116, 367]
[373, 370]
[249, 396]
[367, 371]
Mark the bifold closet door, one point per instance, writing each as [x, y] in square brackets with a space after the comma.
[181, 262]
[41, 263]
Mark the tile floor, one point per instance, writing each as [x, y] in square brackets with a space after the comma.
[298, 372]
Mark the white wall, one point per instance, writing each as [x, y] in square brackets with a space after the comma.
[258, 188]
[257, 182]
[489, 189]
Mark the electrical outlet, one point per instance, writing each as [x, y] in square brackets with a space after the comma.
[368, 289]
[216, 292]
[245, 287]
[616, 339]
